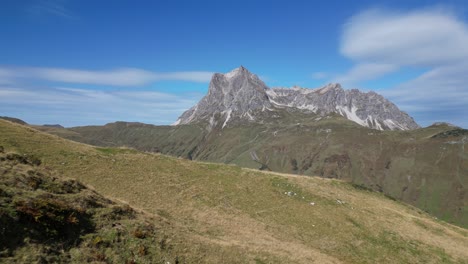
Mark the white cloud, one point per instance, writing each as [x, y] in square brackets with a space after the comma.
[118, 77]
[195, 76]
[6, 77]
[121, 77]
[435, 40]
[422, 38]
[363, 72]
[441, 94]
[72, 106]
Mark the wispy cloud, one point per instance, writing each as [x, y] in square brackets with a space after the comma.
[6, 77]
[365, 71]
[381, 42]
[56, 100]
[117, 77]
[74, 106]
[50, 7]
[423, 38]
[440, 94]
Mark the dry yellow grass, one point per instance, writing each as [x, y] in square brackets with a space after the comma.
[234, 215]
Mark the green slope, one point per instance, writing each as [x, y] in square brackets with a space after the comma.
[427, 167]
[45, 218]
[234, 215]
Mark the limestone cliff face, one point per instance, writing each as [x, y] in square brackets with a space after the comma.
[235, 94]
[367, 109]
[240, 96]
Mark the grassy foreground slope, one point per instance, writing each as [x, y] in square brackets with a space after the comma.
[46, 219]
[234, 215]
[426, 167]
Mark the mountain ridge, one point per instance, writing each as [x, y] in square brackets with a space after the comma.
[241, 95]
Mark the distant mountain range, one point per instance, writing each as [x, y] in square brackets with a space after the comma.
[241, 96]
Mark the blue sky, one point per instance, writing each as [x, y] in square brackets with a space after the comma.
[92, 62]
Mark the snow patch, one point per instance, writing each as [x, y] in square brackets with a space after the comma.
[370, 121]
[351, 114]
[192, 115]
[227, 118]
[378, 125]
[394, 126]
[211, 121]
[310, 107]
[271, 94]
[373, 123]
[278, 104]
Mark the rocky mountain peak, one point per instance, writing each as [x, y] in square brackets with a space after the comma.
[237, 79]
[241, 95]
[232, 95]
[236, 72]
[330, 87]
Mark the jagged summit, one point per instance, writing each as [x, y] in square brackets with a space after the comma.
[367, 109]
[237, 71]
[234, 94]
[241, 95]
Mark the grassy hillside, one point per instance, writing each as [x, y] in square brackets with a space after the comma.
[427, 167]
[177, 141]
[233, 215]
[45, 218]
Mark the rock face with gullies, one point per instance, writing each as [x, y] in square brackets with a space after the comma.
[235, 95]
[240, 95]
[367, 109]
